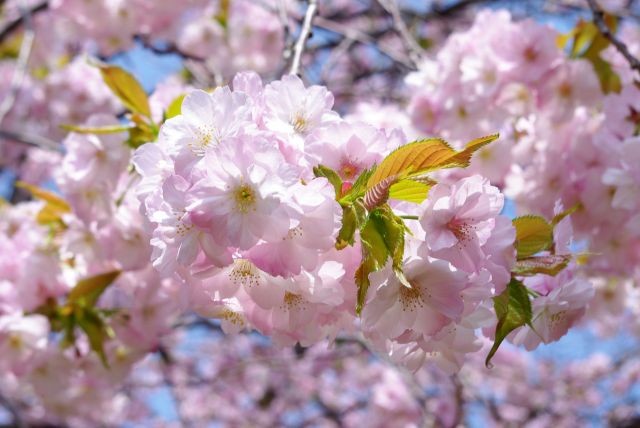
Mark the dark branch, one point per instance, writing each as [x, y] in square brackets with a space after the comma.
[30, 139]
[598, 19]
[10, 27]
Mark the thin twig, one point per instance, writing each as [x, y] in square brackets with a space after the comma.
[20, 69]
[305, 32]
[10, 27]
[334, 56]
[31, 139]
[414, 49]
[167, 49]
[286, 27]
[598, 19]
[353, 34]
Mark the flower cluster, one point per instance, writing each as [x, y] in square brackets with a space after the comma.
[566, 132]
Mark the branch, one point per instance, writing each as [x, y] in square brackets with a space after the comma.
[353, 34]
[453, 9]
[286, 27]
[305, 32]
[415, 50]
[598, 19]
[31, 139]
[12, 26]
[20, 69]
[169, 48]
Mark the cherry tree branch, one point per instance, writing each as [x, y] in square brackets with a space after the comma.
[31, 139]
[20, 69]
[598, 20]
[305, 32]
[414, 49]
[358, 36]
[286, 28]
[10, 27]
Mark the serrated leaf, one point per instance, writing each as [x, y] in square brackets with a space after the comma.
[88, 290]
[513, 310]
[410, 191]
[332, 176]
[533, 234]
[546, 265]
[112, 129]
[348, 229]
[175, 108]
[424, 156]
[391, 228]
[126, 88]
[382, 237]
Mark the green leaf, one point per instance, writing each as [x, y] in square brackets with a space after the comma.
[54, 207]
[547, 265]
[175, 108]
[353, 216]
[513, 309]
[141, 134]
[348, 229]
[126, 88]
[533, 234]
[560, 216]
[585, 41]
[381, 236]
[332, 176]
[88, 290]
[423, 156]
[96, 330]
[410, 191]
[391, 228]
[112, 129]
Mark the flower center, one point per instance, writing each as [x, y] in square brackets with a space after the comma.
[204, 136]
[245, 198]
[411, 298]
[299, 123]
[530, 54]
[244, 273]
[293, 301]
[233, 317]
[461, 229]
[293, 233]
[348, 170]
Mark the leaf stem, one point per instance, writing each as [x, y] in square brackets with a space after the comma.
[410, 217]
